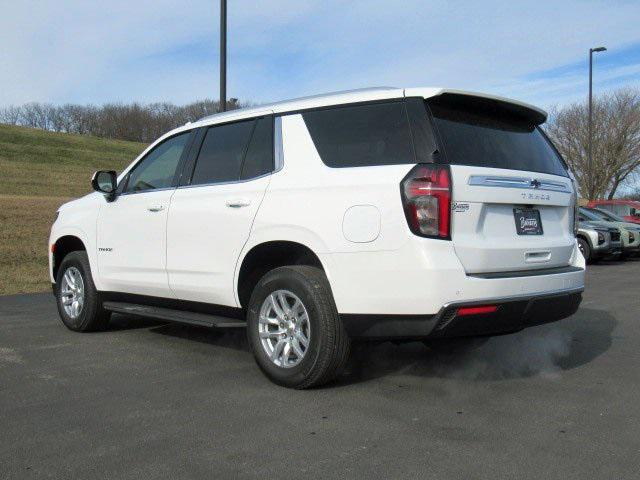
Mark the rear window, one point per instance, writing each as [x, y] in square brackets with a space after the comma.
[361, 135]
[259, 157]
[484, 134]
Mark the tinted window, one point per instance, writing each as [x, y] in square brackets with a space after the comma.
[361, 135]
[158, 168]
[221, 153]
[259, 158]
[493, 137]
[423, 137]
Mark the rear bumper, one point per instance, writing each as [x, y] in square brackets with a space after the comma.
[424, 275]
[512, 314]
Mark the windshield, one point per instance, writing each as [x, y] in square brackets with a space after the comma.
[591, 215]
[609, 216]
[489, 137]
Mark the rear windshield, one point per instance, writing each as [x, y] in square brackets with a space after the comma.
[485, 135]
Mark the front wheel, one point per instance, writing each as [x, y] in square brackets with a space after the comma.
[78, 300]
[585, 249]
[294, 329]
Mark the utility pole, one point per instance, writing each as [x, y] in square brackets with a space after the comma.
[223, 55]
[590, 157]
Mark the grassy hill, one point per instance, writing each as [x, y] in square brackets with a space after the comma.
[38, 172]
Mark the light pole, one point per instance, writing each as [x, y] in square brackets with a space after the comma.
[590, 158]
[223, 55]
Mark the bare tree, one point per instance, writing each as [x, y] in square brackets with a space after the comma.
[616, 141]
[11, 115]
[633, 195]
[136, 122]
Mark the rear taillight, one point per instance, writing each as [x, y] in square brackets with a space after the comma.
[426, 197]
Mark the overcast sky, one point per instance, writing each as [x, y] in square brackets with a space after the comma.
[121, 51]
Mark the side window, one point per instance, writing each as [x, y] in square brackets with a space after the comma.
[158, 168]
[259, 158]
[361, 135]
[221, 153]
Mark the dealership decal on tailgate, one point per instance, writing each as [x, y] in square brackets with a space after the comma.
[527, 221]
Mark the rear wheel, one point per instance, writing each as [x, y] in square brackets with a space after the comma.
[79, 303]
[294, 328]
[585, 249]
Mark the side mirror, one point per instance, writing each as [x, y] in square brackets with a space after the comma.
[105, 181]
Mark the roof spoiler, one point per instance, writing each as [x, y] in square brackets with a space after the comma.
[483, 101]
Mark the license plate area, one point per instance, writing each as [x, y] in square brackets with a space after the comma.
[527, 221]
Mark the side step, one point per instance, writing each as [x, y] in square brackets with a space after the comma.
[171, 315]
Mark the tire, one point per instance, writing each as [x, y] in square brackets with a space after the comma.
[327, 348]
[90, 315]
[585, 249]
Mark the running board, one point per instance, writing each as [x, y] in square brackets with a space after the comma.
[171, 315]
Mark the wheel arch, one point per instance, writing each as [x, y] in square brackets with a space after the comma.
[64, 245]
[267, 255]
[586, 237]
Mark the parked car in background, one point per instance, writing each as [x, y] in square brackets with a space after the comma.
[629, 210]
[597, 239]
[630, 231]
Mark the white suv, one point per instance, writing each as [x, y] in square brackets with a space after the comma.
[383, 213]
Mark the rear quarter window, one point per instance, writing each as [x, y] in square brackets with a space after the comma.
[362, 135]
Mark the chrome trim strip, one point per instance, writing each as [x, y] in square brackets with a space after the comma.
[229, 182]
[278, 153]
[149, 190]
[518, 182]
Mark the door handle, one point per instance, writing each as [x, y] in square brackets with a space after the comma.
[155, 208]
[238, 203]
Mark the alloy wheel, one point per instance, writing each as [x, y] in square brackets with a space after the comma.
[284, 328]
[72, 292]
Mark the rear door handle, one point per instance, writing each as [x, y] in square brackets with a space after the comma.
[155, 208]
[238, 203]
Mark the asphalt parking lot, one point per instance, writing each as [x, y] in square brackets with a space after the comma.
[151, 400]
